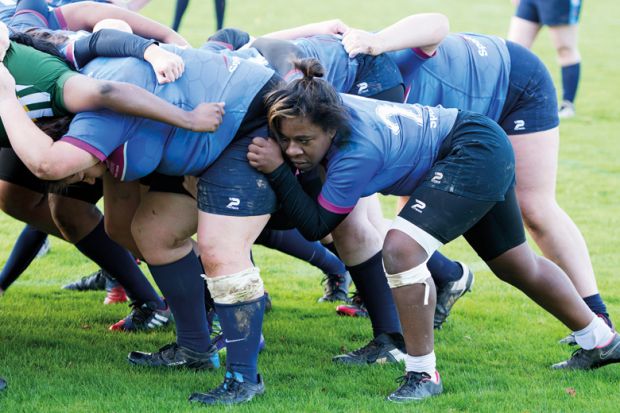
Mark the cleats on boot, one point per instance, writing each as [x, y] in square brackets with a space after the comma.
[336, 287]
[385, 348]
[416, 386]
[99, 280]
[115, 295]
[233, 390]
[144, 316]
[567, 110]
[450, 293]
[2, 384]
[355, 309]
[570, 339]
[173, 355]
[592, 359]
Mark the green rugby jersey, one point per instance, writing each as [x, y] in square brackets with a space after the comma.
[39, 82]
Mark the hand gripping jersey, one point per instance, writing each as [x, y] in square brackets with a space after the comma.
[39, 82]
[134, 147]
[389, 150]
[340, 70]
[467, 71]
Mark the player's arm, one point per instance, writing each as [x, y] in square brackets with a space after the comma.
[312, 220]
[5, 43]
[335, 26]
[85, 15]
[81, 93]
[114, 43]
[45, 158]
[424, 31]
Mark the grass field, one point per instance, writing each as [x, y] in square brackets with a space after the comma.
[494, 353]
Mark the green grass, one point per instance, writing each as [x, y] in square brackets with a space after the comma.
[494, 352]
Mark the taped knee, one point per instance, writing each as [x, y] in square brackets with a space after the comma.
[236, 288]
[415, 275]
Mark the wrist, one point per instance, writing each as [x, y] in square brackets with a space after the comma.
[150, 51]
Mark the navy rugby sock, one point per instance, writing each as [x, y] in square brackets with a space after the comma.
[443, 270]
[220, 8]
[119, 263]
[184, 289]
[24, 251]
[179, 11]
[372, 286]
[242, 325]
[596, 304]
[291, 242]
[570, 81]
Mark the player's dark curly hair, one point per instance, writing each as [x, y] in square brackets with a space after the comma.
[38, 39]
[310, 97]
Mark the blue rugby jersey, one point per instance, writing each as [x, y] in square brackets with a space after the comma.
[37, 13]
[389, 150]
[134, 147]
[340, 69]
[7, 10]
[468, 71]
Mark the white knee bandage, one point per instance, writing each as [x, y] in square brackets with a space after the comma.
[416, 275]
[236, 288]
[426, 240]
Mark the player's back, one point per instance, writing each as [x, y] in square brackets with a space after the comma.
[468, 71]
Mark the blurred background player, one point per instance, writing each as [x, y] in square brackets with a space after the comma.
[179, 11]
[562, 17]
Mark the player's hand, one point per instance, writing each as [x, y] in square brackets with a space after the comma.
[168, 66]
[207, 117]
[515, 2]
[7, 83]
[265, 155]
[335, 26]
[357, 41]
[4, 40]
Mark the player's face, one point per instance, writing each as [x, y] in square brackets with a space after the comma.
[88, 175]
[304, 143]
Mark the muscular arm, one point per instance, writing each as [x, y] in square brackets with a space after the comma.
[84, 16]
[424, 31]
[45, 158]
[109, 43]
[82, 93]
[335, 26]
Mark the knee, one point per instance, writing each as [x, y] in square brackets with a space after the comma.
[119, 232]
[567, 54]
[352, 240]
[158, 243]
[16, 206]
[537, 211]
[236, 288]
[75, 220]
[394, 255]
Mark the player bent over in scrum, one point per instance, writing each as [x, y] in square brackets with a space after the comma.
[458, 168]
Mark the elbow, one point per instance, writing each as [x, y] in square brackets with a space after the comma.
[106, 90]
[48, 171]
[442, 27]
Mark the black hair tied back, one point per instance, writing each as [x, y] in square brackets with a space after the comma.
[310, 68]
